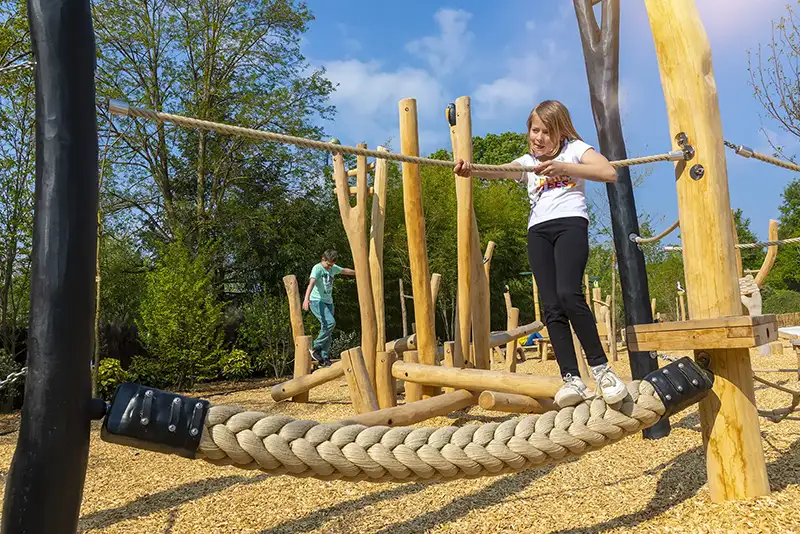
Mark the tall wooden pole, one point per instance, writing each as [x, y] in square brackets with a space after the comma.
[295, 305]
[601, 52]
[403, 312]
[417, 244]
[376, 245]
[464, 228]
[536, 308]
[354, 219]
[728, 417]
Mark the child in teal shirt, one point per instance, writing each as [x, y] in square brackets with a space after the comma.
[319, 298]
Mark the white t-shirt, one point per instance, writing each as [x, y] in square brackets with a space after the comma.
[553, 197]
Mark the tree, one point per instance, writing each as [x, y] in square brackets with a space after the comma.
[785, 274]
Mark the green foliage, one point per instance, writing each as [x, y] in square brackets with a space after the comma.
[122, 279]
[235, 365]
[109, 376]
[181, 318]
[148, 372]
[343, 342]
[782, 301]
[785, 273]
[266, 333]
[751, 258]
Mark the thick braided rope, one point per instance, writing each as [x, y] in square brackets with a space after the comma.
[746, 152]
[119, 108]
[760, 244]
[342, 451]
[662, 235]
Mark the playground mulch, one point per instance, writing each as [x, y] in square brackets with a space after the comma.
[635, 485]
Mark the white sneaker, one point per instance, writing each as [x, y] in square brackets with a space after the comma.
[573, 392]
[612, 388]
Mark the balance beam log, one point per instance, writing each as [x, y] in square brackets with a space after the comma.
[301, 384]
[513, 403]
[387, 385]
[415, 412]
[477, 379]
[302, 363]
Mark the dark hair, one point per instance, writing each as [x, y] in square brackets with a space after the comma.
[330, 255]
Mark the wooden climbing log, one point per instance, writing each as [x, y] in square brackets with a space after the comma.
[358, 381]
[653, 307]
[514, 403]
[386, 383]
[481, 308]
[772, 253]
[415, 230]
[537, 310]
[449, 359]
[302, 363]
[461, 134]
[487, 258]
[354, 219]
[477, 379]
[682, 302]
[295, 386]
[735, 463]
[403, 312]
[381, 167]
[416, 412]
[295, 305]
[501, 338]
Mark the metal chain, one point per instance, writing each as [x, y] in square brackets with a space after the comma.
[13, 377]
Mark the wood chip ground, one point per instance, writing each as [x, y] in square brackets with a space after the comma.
[636, 485]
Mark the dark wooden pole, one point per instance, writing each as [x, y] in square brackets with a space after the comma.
[601, 52]
[45, 482]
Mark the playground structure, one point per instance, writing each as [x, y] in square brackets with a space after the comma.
[375, 444]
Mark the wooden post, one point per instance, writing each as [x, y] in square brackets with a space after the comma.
[586, 290]
[481, 306]
[583, 369]
[461, 134]
[601, 52]
[772, 252]
[450, 360]
[507, 297]
[653, 307]
[403, 312]
[415, 229]
[376, 245]
[387, 385]
[536, 308]
[358, 381]
[413, 390]
[295, 305]
[728, 416]
[302, 363]
[511, 346]
[487, 257]
[354, 219]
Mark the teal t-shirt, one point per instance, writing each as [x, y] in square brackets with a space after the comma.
[323, 288]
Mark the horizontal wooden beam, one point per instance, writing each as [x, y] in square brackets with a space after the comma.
[478, 379]
[301, 384]
[418, 411]
[719, 333]
[496, 339]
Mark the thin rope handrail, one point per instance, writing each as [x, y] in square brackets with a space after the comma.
[117, 107]
[640, 240]
[760, 244]
[747, 152]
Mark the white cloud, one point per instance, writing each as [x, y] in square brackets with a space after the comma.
[351, 44]
[448, 50]
[530, 25]
[520, 87]
[367, 98]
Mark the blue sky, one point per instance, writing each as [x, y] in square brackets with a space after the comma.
[507, 56]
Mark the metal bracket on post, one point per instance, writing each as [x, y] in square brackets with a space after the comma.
[681, 384]
[682, 140]
[155, 420]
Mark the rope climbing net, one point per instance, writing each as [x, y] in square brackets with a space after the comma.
[282, 445]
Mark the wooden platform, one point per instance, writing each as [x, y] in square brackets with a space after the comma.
[721, 333]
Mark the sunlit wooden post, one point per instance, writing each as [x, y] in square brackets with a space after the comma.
[728, 417]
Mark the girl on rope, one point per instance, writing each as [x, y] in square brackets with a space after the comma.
[558, 241]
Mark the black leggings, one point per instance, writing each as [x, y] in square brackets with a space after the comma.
[557, 251]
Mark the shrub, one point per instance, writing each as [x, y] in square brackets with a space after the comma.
[781, 301]
[11, 391]
[110, 374]
[180, 322]
[342, 342]
[267, 334]
[236, 365]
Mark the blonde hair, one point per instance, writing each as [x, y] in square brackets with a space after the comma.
[558, 122]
